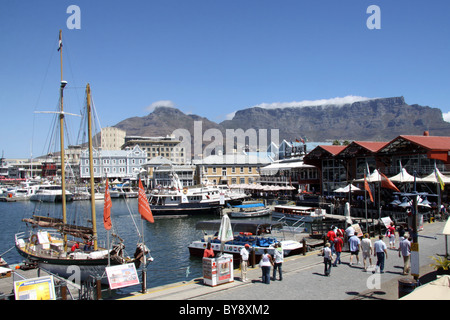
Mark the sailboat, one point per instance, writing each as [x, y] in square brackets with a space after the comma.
[47, 244]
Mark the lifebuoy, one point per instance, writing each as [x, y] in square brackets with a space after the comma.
[185, 190]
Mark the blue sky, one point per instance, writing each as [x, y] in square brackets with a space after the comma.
[211, 57]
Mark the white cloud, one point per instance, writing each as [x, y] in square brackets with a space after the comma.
[160, 103]
[338, 101]
[230, 116]
[446, 116]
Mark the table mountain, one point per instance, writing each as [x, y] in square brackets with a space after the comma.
[371, 120]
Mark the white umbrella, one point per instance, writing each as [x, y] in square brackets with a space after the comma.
[403, 176]
[347, 189]
[225, 231]
[432, 177]
[374, 176]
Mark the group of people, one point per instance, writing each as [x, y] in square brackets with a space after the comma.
[266, 262]
[335, 242]
[332, 252]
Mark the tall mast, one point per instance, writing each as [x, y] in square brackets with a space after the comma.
[61, 133]
[91, 166]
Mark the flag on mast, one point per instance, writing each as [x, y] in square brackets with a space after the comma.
[143, 206]
[60, 40]
[107, 208]
[439, 178]
[366, 186]
[386, 183]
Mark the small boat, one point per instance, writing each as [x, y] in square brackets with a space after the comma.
[178, 200]
[296, 213]
[248, 210]
[255, 233]
[123, 190]
[51, 193]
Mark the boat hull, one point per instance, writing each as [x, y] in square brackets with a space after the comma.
[74, 269]
[50, 197]
[250, 214]
[184, 209]
[290, 248]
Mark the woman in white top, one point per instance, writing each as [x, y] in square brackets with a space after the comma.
[265, 263]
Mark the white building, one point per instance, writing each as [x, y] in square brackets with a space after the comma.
[120, 164]
[112, 138]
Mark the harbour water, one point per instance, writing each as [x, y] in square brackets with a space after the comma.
[167, 238]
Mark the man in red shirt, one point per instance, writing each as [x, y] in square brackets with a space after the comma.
[338, 244]
[331, 235]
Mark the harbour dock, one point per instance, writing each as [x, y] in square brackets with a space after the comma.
[303, 279]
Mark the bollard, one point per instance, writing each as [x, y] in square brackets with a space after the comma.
[406, 286]
[144, 280]
[253, 258]
[304, 246]
[63, 291]
[99, 288]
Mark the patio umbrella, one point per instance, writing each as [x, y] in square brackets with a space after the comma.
[347, 189]
[403, 176]
[225, 231]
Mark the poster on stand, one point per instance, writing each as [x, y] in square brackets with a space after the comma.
[35, 289]
[121, 276]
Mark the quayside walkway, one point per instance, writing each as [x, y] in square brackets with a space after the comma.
[303, 278]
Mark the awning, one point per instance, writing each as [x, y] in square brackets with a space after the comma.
[239, 226]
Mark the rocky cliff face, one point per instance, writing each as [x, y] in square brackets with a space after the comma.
[376, 119]
[371, 120]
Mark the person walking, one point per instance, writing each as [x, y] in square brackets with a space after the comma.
[244, 262]
[391, 235]
[265, 263]
[338, 244]
[331, 235]
[366, 248]
[327, 259]
[278, 257]
[380, 251]
[354, 244]
[405, 251]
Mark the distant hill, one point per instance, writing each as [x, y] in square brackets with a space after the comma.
[370, 120]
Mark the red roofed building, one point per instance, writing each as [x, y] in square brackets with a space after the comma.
[338, 165]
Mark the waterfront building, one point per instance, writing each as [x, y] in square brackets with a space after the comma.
[160, 171]
[339, 165]
[290, 172]
[231, 168]
[167, 147]
[112, 138]
[114, 164]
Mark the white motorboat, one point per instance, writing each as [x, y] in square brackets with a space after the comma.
[50, 193]
[257, 234]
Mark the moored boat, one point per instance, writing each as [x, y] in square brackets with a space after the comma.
[178, 200]
[51, 193]
[256, 233]
[248, 210]
[48, 245]
[296, 213]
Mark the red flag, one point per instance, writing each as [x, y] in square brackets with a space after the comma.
[107, 208]
[366, 186]
[144, 207]
[386, 183]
